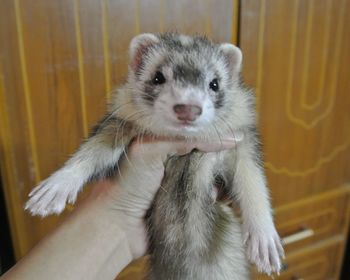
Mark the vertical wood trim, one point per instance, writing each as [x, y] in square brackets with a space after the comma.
[208, 21]
[27, 94]
[290, 75]
[235, 22]
[106, 54]
[7, 167]
[161, 15]
[324, 54]
[261, 42]
[137, 17]
[307, 48]
[81, 65]
[333, 76]
[338, 47]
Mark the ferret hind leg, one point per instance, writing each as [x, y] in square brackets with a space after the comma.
[190, 236]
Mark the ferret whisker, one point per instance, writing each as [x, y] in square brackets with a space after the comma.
[141, 136]
[218, 134]
[121, 137]
[162, 188]
[122, 134]
[142, 116]
[111, 93]
[118, 108]
[228, 125]
[231, 130]
[112, 114]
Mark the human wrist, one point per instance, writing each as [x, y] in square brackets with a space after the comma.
[108, 202]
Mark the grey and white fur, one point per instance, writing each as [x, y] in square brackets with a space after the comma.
[189, 87]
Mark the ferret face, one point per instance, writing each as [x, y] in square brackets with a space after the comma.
[183, 85]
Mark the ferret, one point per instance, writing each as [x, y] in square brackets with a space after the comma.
[189, 87]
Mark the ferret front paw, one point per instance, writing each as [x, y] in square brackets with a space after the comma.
[264, 247]
[50, 196]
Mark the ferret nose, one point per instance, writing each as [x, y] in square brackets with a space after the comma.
[187, 112]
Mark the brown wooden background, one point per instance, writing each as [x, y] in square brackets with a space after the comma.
[60, 59]
[297, 56]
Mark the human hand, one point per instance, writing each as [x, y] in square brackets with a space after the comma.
[129, 197]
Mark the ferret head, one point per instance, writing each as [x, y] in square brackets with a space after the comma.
[186, 86]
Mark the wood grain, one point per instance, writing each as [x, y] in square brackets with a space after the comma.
[318, 262]
[296, 55]
[326, 215]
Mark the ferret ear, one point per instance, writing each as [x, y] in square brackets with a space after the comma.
[138, 47]
[233, 56]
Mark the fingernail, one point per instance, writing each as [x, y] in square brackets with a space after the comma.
[237, 137]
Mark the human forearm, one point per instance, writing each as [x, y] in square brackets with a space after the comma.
[88, 245]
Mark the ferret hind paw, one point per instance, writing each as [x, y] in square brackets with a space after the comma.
[265, 250]
[49, 198]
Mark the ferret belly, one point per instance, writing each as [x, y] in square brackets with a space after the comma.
[192, 237]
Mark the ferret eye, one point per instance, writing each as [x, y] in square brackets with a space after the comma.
[158, 78]
[214, 85]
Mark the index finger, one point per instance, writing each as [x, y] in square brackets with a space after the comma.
[182, 146]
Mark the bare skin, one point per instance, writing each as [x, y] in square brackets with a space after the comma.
[106, 231]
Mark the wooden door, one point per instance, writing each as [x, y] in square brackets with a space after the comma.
[59, 62]
[297, 56]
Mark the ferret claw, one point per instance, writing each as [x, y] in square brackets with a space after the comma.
[50, 196]
[264, 248]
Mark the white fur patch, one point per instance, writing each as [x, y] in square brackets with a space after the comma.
[263, 243]
[185, 40]
[52, 194]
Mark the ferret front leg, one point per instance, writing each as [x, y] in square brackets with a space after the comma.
[94, 159]
[261, 238]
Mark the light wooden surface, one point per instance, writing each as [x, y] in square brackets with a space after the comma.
[297, 57]
[318, 262]
[60, 60]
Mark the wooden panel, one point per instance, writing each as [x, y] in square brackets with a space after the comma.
[324, 216]
[59, 62]
[297, 55]
[318, 262]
